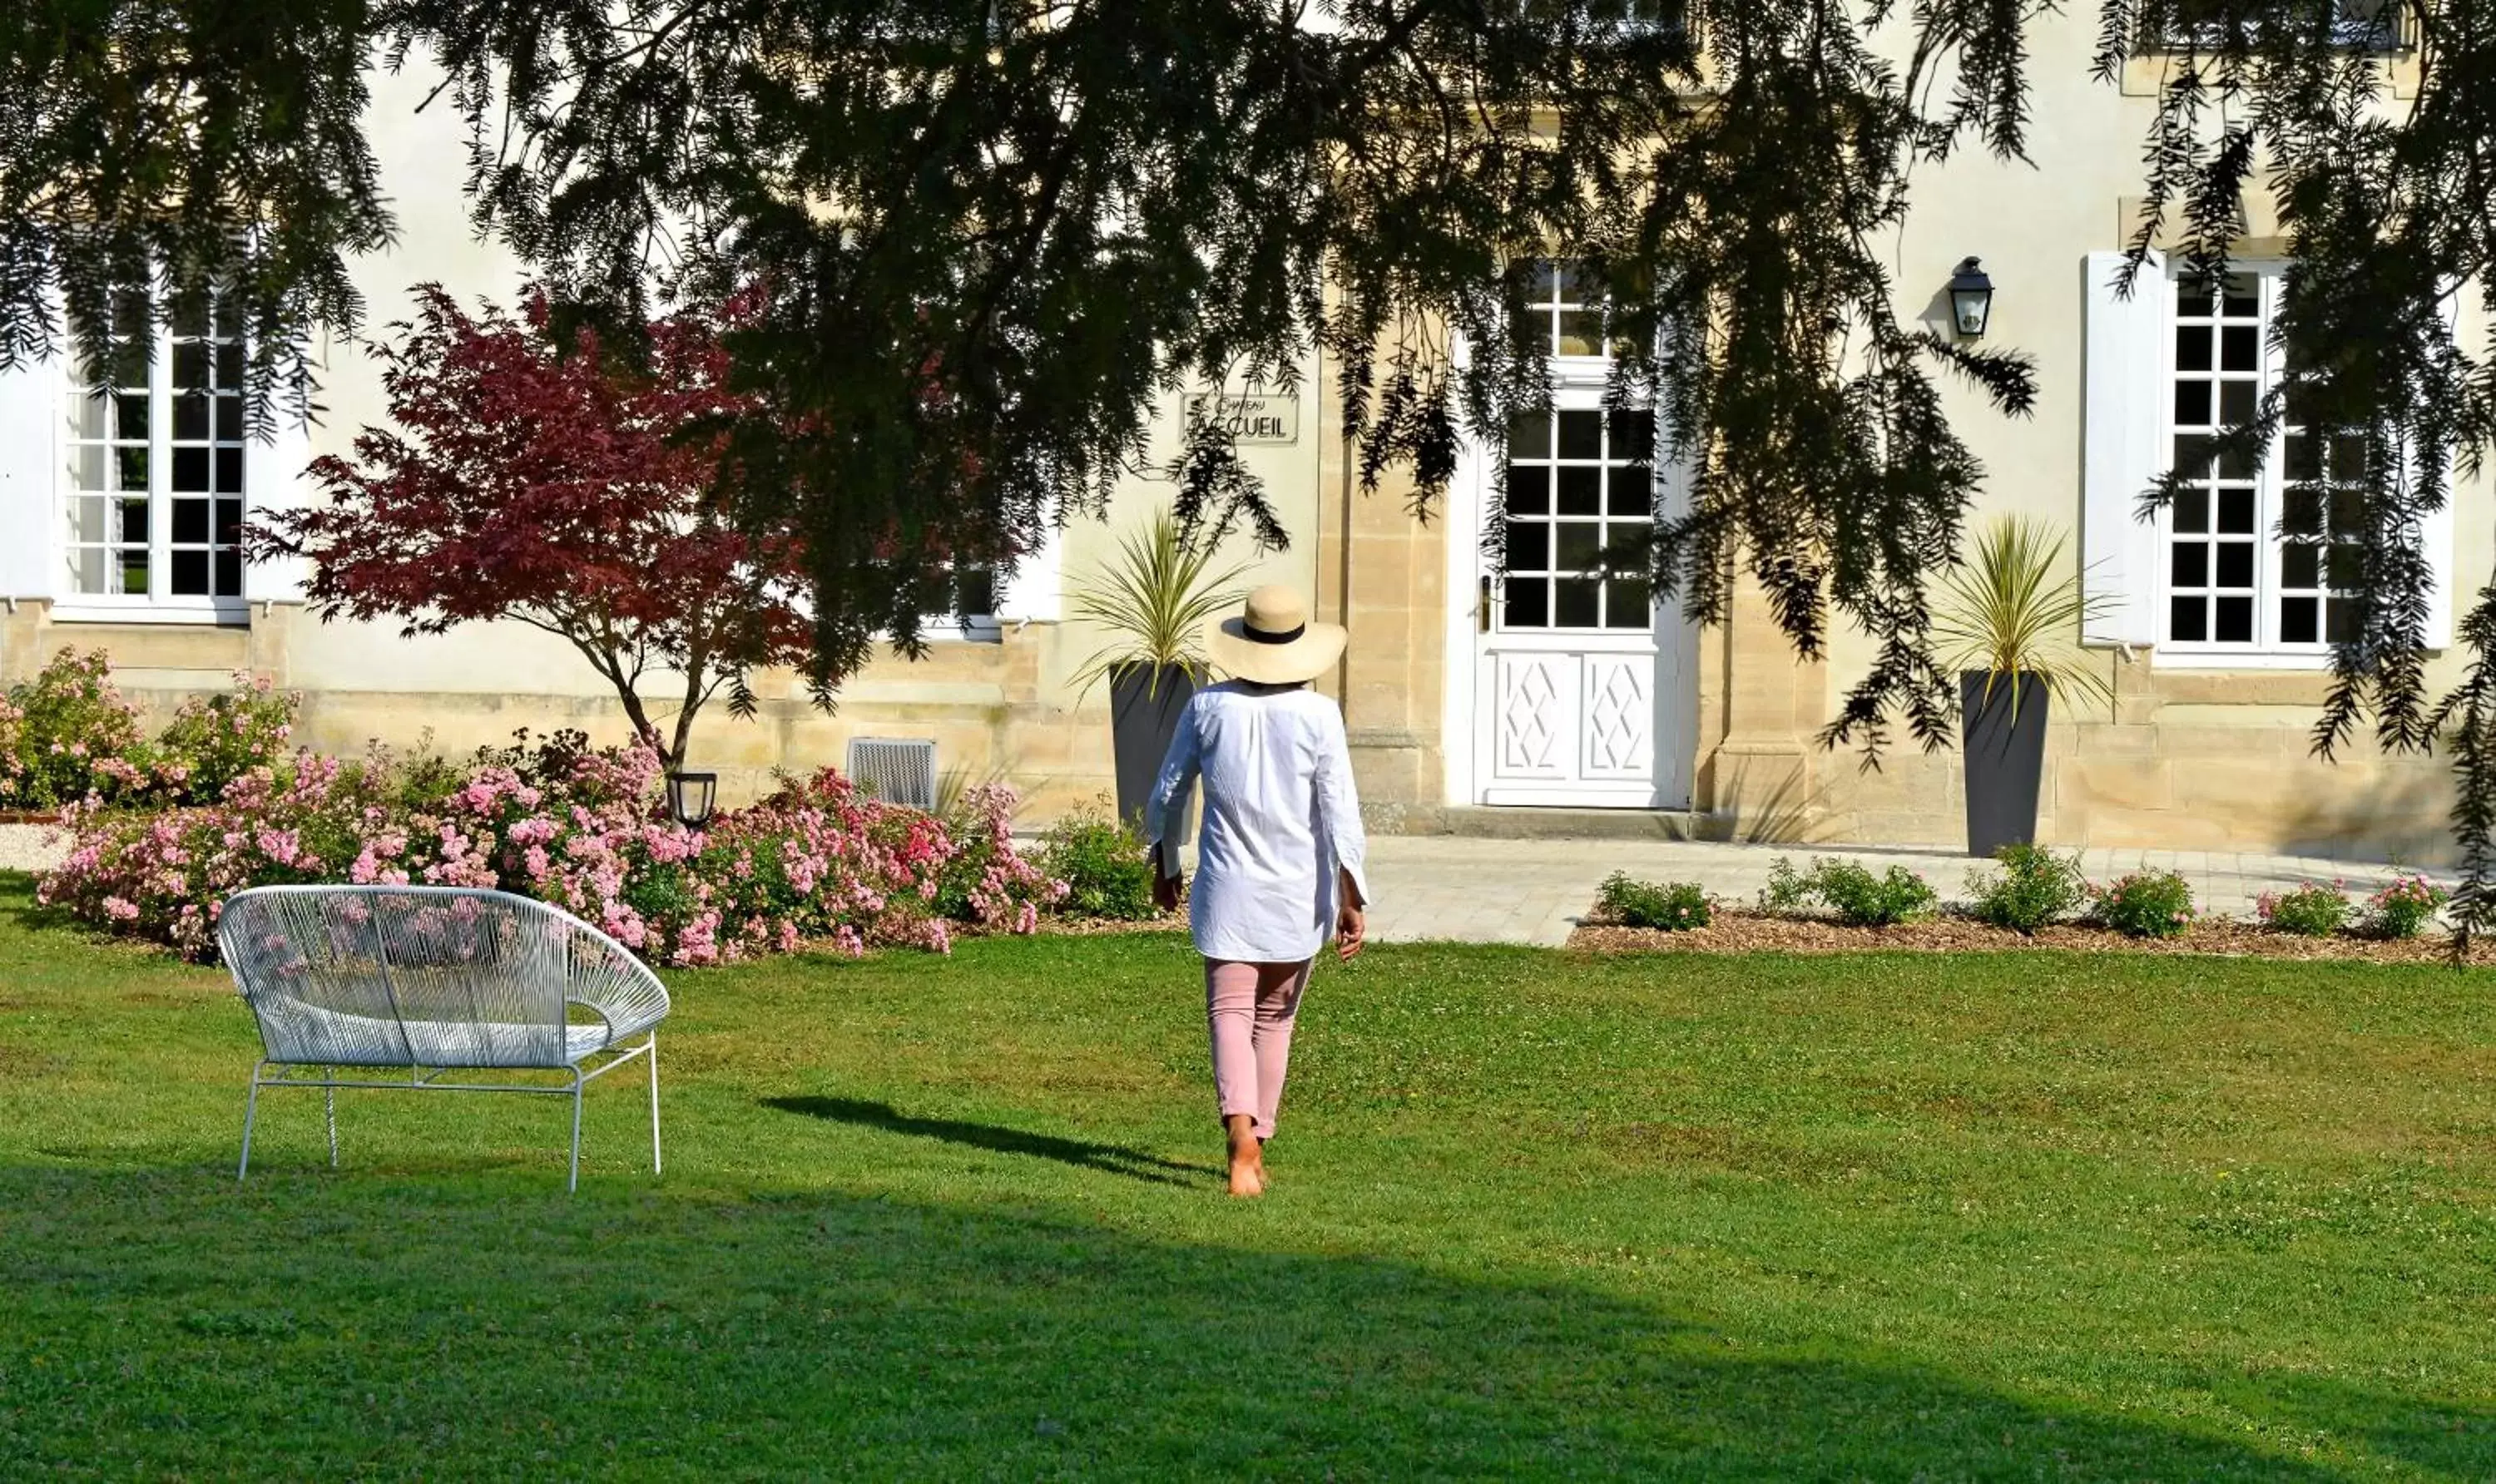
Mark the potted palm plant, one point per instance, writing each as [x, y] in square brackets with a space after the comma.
[1154, 600]
[2011, 629]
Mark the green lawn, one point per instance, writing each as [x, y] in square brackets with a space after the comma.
[1881, 1216]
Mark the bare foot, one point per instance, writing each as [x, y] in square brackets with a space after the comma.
[1247, 1156]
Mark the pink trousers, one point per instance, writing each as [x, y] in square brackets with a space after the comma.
[1248, 1007]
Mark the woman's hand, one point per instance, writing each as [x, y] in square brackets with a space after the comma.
[1350, 928]
[1351, 919]
[1164, 885]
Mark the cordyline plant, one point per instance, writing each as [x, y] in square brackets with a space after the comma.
[551, 486]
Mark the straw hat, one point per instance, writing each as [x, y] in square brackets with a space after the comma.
[1272, 642]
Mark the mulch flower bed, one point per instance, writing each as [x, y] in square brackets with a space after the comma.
[1099, 927]
[1739, 931]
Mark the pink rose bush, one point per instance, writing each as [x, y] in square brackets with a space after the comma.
[814, 863]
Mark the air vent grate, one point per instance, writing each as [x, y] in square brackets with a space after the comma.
[897, 770]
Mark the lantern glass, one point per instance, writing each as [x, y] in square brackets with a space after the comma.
[1971, 296]
[690, 796]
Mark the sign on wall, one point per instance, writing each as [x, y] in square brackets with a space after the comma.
[1253, 414]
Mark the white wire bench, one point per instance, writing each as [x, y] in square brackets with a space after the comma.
[440, 977]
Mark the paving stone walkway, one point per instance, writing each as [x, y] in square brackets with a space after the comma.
[1533, 891]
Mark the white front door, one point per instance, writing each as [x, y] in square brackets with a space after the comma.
[1583, 688]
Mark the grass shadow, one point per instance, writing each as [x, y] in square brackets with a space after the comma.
[1111, 1159]
[167, 1320]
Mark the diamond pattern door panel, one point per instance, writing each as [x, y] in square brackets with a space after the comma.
[1534, 714]
[1618, 735]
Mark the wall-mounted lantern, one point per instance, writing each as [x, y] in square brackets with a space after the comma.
[1971, 296]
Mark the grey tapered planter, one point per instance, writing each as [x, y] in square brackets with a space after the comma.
[1144, 705]
[2006, 757]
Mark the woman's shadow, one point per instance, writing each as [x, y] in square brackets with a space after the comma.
[1114, 1158]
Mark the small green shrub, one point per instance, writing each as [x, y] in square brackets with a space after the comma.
[1862, 899]
[2147, 904]
[2404, 909]
[2034, 888]
[1105, 867]
[1787, 892]
[1858, 897]
[2311, 911]
[1673, 907]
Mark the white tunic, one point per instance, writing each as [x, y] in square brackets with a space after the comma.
[1280, 817]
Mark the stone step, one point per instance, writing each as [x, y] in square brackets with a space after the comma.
[1501, 821]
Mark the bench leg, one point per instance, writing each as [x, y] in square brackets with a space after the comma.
[574, 1184]
[250, 1111]
[653, 1055]
[329, 1113]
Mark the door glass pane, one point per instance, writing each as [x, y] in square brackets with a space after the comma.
[1575, 603]
[1529, 545]
[1628, 489]
[1530, 437]
[1529, 489]
[1581, 435]
[1628, 603]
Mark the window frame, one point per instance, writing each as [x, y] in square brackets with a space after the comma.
[1580, 383]
[2267, 650]
[946, 626]
[159, 605]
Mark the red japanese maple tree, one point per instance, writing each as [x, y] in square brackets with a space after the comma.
[562, 491]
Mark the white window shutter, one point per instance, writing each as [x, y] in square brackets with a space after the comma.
[2121, 413]
[31, 411]
[2435, 537]
[1030, 592]
[274, 479]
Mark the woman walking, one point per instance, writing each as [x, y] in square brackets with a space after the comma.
[1278, 867]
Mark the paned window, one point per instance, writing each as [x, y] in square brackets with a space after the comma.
[1568, 302]
[1579, 480]
[153, 500]
[1618, 14]
[959, 595]
[2251, 563]
[2358, 25]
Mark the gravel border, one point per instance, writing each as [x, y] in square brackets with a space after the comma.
[1739, 931]
[31, 848]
